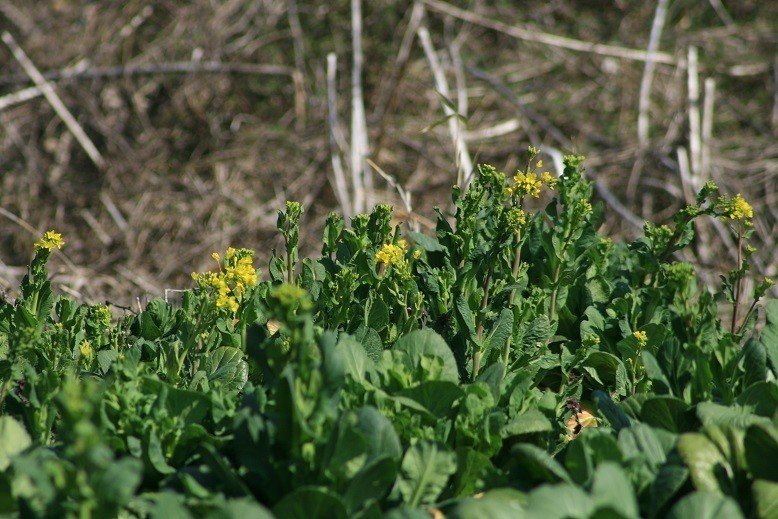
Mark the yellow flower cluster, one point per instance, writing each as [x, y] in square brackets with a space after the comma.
[530, 183]
[236, 274]
[51, 240]
[642, 338]
[737, 208]
[391, 253]
[86, 349]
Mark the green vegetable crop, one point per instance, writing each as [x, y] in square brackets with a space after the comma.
[514, 364]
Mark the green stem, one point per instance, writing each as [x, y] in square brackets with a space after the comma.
[736, 303]
[516, 265]
[480, 332]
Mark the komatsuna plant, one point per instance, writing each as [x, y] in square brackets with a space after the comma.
[514, 363]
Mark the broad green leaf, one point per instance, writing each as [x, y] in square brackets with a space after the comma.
[538, 332]
[765, 497]
[611, 488]
[225, 366]
[704, 460]
[240, 509]
[495, 504]
[425, 470]
[437, 396]
[120, 480]
[705, 505]
[654, 372]
[13, 440]
[617, 418]
[373, 482]
[761, 444]
[667, 483]
[311, 503]
[355, 358]
[640, 440]
[669, 413]
[381, 437]
[754, 362]
[472, 469]
[532, 421]
[537, 463]
[425, 242]
[426, 342]
[378, 317]
[501, 330]
[769, 335]
[560, 501]
[608, 370]
[738, 417]
[760, 398]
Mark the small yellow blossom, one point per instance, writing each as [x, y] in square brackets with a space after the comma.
[51, 240]
[526, 184]
[86, 349]
[736, 208]
[216, 257]
[642, 338]
[548, 179]
[390, 254]
[416, 254]
[540, 163]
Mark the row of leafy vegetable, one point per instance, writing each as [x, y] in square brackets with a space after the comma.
[515, 364]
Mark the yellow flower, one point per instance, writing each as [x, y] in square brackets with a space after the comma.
[51, 240]
[216, 257]
[548, 179]
[736, 208]
[526, 184]
[390, 254]
[416, 254]
[642, 338]
[741, 210]
[86, 349]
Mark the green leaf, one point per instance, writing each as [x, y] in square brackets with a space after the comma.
[640, 440]
[425, 470]
[426, 342]
[669, 413]
[120, 480]
[754, 362]
[311, 503]
[761, 444]
[437, 396]
[355, 358]
[373, 482]
[704, 460]
[608, 370]
[425, 242]
[611, 488]
[769, 335]
[501, 330]
[736, 416]
[760, 398]
[654, 372]
[381, 437]
[13, 440]
[239, 509]
[666, 484]
[378, 316]
[225, 366]
[538, 332]
[532, 421]
[607, 407]
[560, 501]
[538, 464]
[705, 505]
[765, 497]
[502, 503]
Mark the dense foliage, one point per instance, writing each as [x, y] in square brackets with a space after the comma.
[515, 364]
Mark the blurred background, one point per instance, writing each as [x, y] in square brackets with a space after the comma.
[151, 133]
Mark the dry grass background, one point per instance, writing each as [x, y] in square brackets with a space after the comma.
[210, 113]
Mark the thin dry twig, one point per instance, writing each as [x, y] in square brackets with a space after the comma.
[707, 126]
[339, 176]
[54, 100]
[695, 139]
[549, 39]
[464, 162]
[648, 72]
[361, 178]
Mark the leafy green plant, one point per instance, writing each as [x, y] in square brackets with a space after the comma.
[514, 364]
